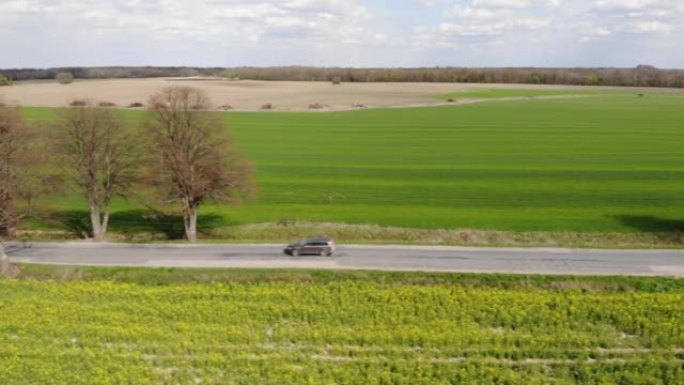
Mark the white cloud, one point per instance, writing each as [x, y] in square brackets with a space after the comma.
[207, 19]
[640, 17]
[503, 3]
[489, 20]
[651, 26]
[633, 4]
[340, 32]
[591, 34]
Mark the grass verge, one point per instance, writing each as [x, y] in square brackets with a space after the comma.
[173, 276]
[287, 231]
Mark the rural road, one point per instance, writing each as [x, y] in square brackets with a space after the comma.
[424, 258]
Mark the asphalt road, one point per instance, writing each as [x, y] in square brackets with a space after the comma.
[419, 258]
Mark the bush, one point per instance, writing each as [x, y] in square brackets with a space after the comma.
[317, 106]
[65, 78]
[267, 106]
[78, 103]
[106, 104]
[336, 80]
[5, 81]
[135, 105]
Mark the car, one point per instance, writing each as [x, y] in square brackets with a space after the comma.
[312, 246]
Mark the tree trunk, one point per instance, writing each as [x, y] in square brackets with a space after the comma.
[98, 236]
[8, 228]
[8, 219]
[7, 269]
[105, 223]
[4, 262]
[191, 223]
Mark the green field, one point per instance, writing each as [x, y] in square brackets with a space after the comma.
[490, 93]
[138, 326]
[604, 163]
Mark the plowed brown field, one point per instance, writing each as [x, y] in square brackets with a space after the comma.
[242, 94]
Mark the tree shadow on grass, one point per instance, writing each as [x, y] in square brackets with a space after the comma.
[133, 222]
[651, 224]
[75, 221]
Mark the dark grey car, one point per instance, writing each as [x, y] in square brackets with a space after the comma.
[312, 246]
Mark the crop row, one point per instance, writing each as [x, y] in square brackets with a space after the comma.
[338, 333]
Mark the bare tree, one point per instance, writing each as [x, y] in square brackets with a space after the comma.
[198, 161]
[13, 134]
[97, 151]
[13, 140]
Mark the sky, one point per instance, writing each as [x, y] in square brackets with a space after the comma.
[348, 33]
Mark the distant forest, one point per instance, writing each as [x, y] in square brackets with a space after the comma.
[642, 75]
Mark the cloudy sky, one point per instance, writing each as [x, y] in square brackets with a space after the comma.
[359, 33]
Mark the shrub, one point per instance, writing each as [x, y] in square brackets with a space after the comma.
[451, 100]
[135, 105]
[336, 80]
[65, 78]
[106, 104]
[78, 103]
[317, 106]
[5, 81]
[358, 105]
[225, 107]
[267, 106]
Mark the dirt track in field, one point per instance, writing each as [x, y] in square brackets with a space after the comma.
[243, 94]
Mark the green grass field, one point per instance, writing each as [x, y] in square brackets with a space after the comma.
[491, 93]
[604, 163]
[163, 326]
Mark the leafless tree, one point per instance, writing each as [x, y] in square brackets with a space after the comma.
[641, 75]
[96, 147]
[198, 162]
[13, 133]
[13, 140]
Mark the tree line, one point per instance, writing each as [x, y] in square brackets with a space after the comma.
[180, 149]
[640, 76]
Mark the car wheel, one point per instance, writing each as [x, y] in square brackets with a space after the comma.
[324, 252]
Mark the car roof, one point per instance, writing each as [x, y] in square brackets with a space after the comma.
[319, 239]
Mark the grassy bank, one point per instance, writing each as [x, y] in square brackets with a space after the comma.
[287, 231]
[172, 276]
[605, 164]
[167, 326]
